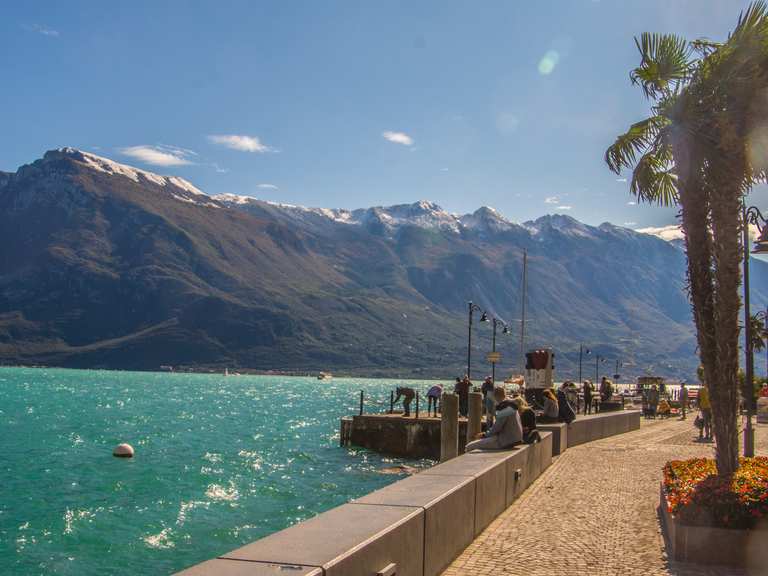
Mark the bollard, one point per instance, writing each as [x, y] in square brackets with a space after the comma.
[417, 405]
[361, 402]
[475, 420]
[392, 402]
[449, 427]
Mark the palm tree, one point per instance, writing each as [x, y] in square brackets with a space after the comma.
[695, 152]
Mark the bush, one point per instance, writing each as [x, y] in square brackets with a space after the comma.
[697, 496]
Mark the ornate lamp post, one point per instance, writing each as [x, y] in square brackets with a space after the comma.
[750, 215]
[484, 318]
[505, 330]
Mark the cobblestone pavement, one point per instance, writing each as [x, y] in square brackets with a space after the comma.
[594, 511]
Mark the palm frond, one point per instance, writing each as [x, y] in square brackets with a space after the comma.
[654, 180]
[640, 136]
[666, 61]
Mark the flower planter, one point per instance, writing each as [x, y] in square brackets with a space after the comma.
[715, 546]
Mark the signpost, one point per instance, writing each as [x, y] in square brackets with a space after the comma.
[493, 357]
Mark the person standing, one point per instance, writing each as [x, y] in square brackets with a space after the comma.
[463, 385]
[683, 400]
[565, 412]
[433, 399]
[653, 400]
[408, 395]
[488, 401]
[588, 388]
[705, 406]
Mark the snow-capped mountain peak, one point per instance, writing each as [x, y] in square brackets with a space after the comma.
[180, 188]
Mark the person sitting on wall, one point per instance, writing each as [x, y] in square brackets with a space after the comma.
[606, 390]
[527, 419]
[507, 431]
[664, 409]
[565, 412]
[408, 395]
[551, 409]
[433, 398]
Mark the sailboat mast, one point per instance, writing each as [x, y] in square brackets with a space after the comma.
[522, 316]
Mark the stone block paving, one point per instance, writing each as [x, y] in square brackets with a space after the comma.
[594, 511]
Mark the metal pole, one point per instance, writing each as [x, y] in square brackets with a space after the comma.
[597, 368]
[469, 343]
[493, 364]
[417, 405]
[522, 316]
[361, 402]
[749, 433]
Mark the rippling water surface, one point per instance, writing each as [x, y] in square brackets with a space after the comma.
[220, 461]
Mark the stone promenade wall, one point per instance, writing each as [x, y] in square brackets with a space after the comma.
[416, 526]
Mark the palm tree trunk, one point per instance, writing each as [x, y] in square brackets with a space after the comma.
[725, 205]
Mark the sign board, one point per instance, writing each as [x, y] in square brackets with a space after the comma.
[493, 357]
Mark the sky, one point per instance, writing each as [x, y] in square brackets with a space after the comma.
[348, 104]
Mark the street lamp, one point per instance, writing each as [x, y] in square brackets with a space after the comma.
[751, 215]
[484, 318]
[505, 330]
[598, 359]
[582, 351]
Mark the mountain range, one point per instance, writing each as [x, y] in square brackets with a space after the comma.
[107, 266]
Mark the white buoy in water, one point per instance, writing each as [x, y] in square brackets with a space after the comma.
[123, 451]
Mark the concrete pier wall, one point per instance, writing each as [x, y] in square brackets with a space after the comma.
[418, 525]
[399, 436]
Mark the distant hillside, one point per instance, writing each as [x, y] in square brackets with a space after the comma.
[104, 265]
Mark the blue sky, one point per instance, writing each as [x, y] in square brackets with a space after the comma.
[347, 104]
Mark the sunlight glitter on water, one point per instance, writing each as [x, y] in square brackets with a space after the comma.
[219, 462]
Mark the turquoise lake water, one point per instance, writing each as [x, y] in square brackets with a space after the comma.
[220, 461]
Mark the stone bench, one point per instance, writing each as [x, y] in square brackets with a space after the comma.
[590, 428]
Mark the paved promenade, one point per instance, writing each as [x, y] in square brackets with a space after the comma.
[593, 512]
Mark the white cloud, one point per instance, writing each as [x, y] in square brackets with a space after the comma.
[548, 62]
[628, 224]
[240, 142]
[158, 155]
[668, 233]
[552, 200]
[398, 138]
[44, 30]
[266, 186]
[631, 203]
[621, 179]
[564, 208]
[443, 169]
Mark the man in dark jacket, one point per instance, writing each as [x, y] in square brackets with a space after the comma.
[407, 395]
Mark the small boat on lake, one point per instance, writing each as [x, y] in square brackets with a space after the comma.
[324, 376]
